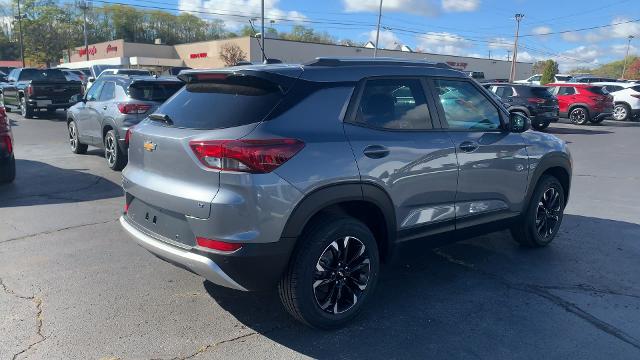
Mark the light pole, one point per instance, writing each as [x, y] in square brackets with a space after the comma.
[375, 50]
[83, 6]
[19, 18]
[512, 75]
[264, 56]
[624, 67]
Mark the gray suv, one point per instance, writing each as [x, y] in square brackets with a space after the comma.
[308, 177]
[110, 107]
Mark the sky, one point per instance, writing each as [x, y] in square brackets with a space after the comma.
[476, 28]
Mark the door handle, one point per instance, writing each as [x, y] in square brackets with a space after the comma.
[468, 146]
[375, 151]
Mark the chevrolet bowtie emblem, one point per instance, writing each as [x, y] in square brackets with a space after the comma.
[149, 146]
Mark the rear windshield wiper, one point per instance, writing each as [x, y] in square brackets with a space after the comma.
[164, 118]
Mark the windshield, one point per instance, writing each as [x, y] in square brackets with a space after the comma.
[134, 72]
[42, 75]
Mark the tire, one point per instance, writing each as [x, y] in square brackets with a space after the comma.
[621, 112]
[25, 110]
[308, 288]
[540, 223]
[10, 174]
[116, 159]
[579, 115]
[76, 146]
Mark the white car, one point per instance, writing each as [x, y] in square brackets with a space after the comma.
[626, 98]
[535, 79]
[141, 72]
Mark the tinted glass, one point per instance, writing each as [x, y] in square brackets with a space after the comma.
[465, 107]
[153, 91]
[612, 88]
[536, 78]
[134, 72]
[541, 92]
[504, 91]
[43, 75]
[566, 90]
[597, 90]
[562, 78]
[636, 88]
[92, 94]
[394, 104]
[108, 91]
[222, 103]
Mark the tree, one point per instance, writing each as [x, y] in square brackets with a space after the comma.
[549, 72]
[633, 70]
[538, 67]
[231, 54]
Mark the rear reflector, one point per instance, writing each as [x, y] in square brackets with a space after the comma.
[217, 245]
[127, 135]
[5, 143]
[133, 108]
[536, 100]
[253, 156]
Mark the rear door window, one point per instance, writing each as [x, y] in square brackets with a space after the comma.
[541, 92]
[108, 91]
[566, 90]
[397, 104]
[504, 91]
[222, 102]
[597, 90]
[153, 91]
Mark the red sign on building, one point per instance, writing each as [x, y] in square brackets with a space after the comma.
[92, 51]
[111, 48]
[198, 55]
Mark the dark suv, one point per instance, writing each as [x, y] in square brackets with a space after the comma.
[535, 102]
[307, 177]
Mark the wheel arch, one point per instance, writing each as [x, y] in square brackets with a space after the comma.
[557, 165]
[576, 105]
[520, 109]
[366, 202]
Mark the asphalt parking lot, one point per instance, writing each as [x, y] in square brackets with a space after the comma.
[74, 286]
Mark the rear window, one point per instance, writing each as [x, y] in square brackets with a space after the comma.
[37, 74]
[222, 103]
[541, 92]
[597, 90]
[562, 78]
[153, 91]
[134, 72]
[636, 88]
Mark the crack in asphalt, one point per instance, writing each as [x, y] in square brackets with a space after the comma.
[542, 291]
[54, 195]
[38, 302]
[57, 230]
[588, 288]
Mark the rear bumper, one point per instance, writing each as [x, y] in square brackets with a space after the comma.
[195, 263]
[45, 104]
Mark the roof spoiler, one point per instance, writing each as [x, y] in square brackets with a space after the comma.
[381, 61]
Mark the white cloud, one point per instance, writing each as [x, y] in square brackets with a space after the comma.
[443, 43]
[541, 30]
[460, 5]
[500, 43]
[571, 37]
[226, 9]
[581, 56]
[620, 31]
[417, 7]
[621, 49]
[388, 40]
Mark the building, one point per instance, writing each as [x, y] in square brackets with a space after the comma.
[206, 54]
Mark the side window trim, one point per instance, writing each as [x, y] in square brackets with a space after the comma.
[356, 98]
[440, 109]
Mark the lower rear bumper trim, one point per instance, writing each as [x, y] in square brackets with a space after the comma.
[198, 264]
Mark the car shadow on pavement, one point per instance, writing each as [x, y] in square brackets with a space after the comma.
[472, 299]
[39, 183]
[576, 131]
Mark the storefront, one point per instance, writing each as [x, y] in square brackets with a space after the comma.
[207, 54]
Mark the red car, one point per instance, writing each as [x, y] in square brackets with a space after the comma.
[582, 103]
[7, 160]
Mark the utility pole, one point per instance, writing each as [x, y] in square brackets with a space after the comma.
[19, 18]
[489, 54]
[375, 51]
[512, 76]
[83, 6]
[508, 55]
[624, 67]
[264, 56]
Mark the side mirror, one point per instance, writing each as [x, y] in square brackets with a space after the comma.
[91, 79]
[518, 123]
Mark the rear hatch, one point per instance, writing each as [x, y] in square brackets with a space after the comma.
[50, 84]
[163, 171]
[150, 94]
[545, 101]
[601, 96]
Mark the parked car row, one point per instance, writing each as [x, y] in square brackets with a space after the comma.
[7, 159]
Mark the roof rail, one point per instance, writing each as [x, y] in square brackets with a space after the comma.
[355, 61]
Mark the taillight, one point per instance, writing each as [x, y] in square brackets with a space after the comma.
[126, 207]
[29, 90]
[133, 108]
[5, 143]
[597, 98]
[253, 156]
[536, 100]
[217, 244]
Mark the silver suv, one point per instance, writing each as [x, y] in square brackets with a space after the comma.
[307, 177]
